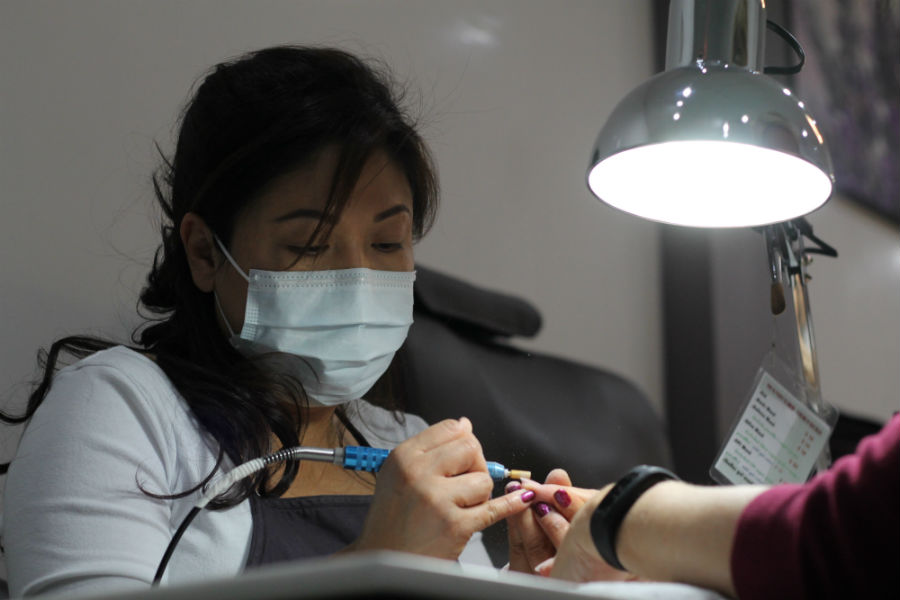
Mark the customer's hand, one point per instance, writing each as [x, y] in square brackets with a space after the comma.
[433, 492]
[534, 535]
[674, 532]
[576, 557]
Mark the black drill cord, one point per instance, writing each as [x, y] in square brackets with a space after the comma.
[171, 547]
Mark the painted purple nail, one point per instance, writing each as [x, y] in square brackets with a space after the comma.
[562, 498]
[541, 508]
[527, 496]
[513, 486]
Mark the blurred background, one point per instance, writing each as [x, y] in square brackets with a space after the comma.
[510, 95]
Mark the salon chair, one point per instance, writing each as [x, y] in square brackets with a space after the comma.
[529, 410]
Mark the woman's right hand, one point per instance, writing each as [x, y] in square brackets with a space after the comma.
[433, 492]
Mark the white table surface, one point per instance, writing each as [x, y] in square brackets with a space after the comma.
[403, 576]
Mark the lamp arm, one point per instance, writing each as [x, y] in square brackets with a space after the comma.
[787, 251]
[808, 358]
[774, 237]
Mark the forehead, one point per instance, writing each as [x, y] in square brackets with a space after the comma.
[381, 182]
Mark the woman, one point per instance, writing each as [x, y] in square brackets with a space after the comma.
[281, 292]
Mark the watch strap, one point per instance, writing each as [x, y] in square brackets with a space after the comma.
[608, 516]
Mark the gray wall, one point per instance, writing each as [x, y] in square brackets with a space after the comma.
[512, 94]
[854, 299]
[719, 328]
[855, 307]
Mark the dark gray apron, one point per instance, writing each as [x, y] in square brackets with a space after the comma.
[286, 529]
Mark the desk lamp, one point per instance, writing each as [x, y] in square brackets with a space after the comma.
[712, 141]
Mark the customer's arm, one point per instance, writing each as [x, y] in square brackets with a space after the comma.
[674, 532]
[836, 536]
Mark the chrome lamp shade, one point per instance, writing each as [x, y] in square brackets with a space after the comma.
[712, 141]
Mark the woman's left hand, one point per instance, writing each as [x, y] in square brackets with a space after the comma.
[557, 540]
[535, 535]
[577, 558]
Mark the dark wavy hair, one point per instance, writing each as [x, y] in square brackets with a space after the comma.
[250, 121]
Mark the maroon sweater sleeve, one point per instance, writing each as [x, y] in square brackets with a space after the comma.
[837, 536]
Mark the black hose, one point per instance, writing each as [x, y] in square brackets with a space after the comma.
[171, 547]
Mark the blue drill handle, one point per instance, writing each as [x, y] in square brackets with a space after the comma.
[364, 458]
[497, 471]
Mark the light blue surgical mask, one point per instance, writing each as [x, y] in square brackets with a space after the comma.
[344, 326]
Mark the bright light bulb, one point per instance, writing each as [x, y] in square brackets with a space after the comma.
[710, 184]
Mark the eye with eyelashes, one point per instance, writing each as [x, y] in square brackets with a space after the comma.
[318, 250]
[388, 246]
[313, 251]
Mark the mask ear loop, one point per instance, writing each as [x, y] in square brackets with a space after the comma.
[222, 314]
[247, 277]
[230, 258]
[215, 294]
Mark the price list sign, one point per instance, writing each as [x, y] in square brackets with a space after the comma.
[777, 439]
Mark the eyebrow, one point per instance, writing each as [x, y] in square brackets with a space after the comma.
[386, 214]
[311, 213]
[307, 213]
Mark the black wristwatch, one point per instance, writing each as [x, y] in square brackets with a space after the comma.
[608, 516]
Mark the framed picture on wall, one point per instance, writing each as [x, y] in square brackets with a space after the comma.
[851, 84]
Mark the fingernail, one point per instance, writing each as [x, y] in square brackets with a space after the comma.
[541, 508]
[513, 486]
[562, 498]
[544, 567]
[528, 496]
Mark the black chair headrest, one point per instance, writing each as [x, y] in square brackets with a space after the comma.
[472, 308]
